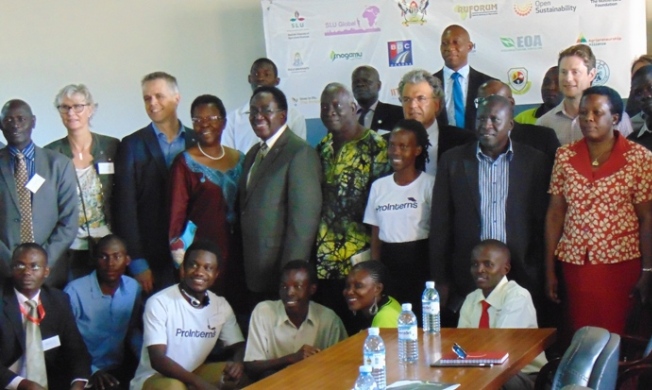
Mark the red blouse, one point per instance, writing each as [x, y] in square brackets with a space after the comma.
[601, 225]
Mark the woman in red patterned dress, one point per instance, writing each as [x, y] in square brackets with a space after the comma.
[599, 221]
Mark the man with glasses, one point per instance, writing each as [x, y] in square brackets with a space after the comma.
[422, 96]
[493, 188]
[108, 308]
[38, 193]
[237, 132]
[140, 208]
[279, 196]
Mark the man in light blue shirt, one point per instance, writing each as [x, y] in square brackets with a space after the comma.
[108, 309]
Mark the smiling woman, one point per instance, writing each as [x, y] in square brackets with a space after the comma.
[203, 183]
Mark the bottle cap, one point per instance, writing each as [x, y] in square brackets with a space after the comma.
[430, 284]
[365, 368]
[374, 331]
[406, 307]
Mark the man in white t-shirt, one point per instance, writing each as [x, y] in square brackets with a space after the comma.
[508, 305]
[238, 133]
[286, 331]
[183, 323]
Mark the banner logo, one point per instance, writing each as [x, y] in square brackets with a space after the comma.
[298, 28]
[602, 74]
[346, 56]
[523, 9]
[518, 80]
[601, 41]
[605, 3]
[414, 12]
[547, 7]
[400, 53]
[522, 43]
[365, 23]
[297, 20]
[474, 10]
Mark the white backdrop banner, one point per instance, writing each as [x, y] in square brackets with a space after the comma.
[315, 42]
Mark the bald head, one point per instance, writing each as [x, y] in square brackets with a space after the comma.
[455, 47]
[365, 83]
[338, 109]
[496, 87]
[17, 123]
[15, 104]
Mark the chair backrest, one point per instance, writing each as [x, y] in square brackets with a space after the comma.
[591, 360]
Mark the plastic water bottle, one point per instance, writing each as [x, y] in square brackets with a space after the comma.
[431, 316]
[374, 356]
[365, 380]
[408, 343]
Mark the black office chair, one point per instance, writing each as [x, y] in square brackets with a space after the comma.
[591, 361]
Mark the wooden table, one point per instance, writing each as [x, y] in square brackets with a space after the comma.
[337, 366]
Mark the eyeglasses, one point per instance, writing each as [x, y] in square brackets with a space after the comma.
[212, 118]
[419, 99]
[266, 112]
[77, 108]
[24, 267]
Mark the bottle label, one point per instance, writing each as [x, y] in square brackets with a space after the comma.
[431, 308]
[375, 360]
[407, 332]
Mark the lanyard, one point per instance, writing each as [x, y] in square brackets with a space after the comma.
[41, 314]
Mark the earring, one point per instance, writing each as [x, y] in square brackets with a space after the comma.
[374, 308]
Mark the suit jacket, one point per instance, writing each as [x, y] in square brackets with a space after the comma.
[456, 221]
[451, 136]
[279, 210]
[55, 213]
[140, 199]
[386, 116]
[476, 79]
[539, 137]
[103, 150]
[64, 363]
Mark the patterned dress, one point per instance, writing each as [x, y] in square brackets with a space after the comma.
[348, 175]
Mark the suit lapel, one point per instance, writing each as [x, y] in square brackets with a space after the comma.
[518, 174]
[150, 140]
[8, 176]
[471, 174]
[12, 313]
[267, 162]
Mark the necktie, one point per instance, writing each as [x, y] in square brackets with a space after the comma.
[34, 357]
[262, 152]
[458, 99]
[363, 114]
[484, 318]
[24, 199]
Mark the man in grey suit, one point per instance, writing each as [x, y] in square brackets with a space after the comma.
[52, 191]
[280, 196]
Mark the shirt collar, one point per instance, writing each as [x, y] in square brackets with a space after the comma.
[509, 152]
[272, 140]
[22, 298]
[464, 72]
[283, 316]
[372, 108]
[96, 290]
[160, 134]
[643, 130]
[495, 297]
[28, 152]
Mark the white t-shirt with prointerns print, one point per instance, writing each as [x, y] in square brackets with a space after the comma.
[402, 213]
[189, 333]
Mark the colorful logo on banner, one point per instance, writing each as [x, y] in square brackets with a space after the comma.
[367, 22]
[413, 12]
[297, 64]
[602, 74]
[475, 10]
[399, 53]
[297, 20]
[602, 41]
[547, 7]
[346, 56]
[298, 28]
[521, 43]
[518, 80]
[523, 8]
[605, 3]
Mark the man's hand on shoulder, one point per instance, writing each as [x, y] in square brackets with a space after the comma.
[103, 380]
[146, 280]
[303, 352]
[26, 384]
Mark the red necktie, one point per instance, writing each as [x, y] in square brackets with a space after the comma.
[484, 318]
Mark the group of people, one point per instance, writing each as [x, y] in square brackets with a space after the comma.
[237, 226]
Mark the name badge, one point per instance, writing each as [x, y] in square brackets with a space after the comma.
[105, 168]
[35, 183]
[50, 343]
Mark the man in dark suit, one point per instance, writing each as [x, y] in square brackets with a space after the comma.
[642, 93]
[422, 96]
[372, 113]
[52, 193]
[67, 362]
[455, 47]
[141, 183]
[495, 188]
[538, 137]
[279, 196]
